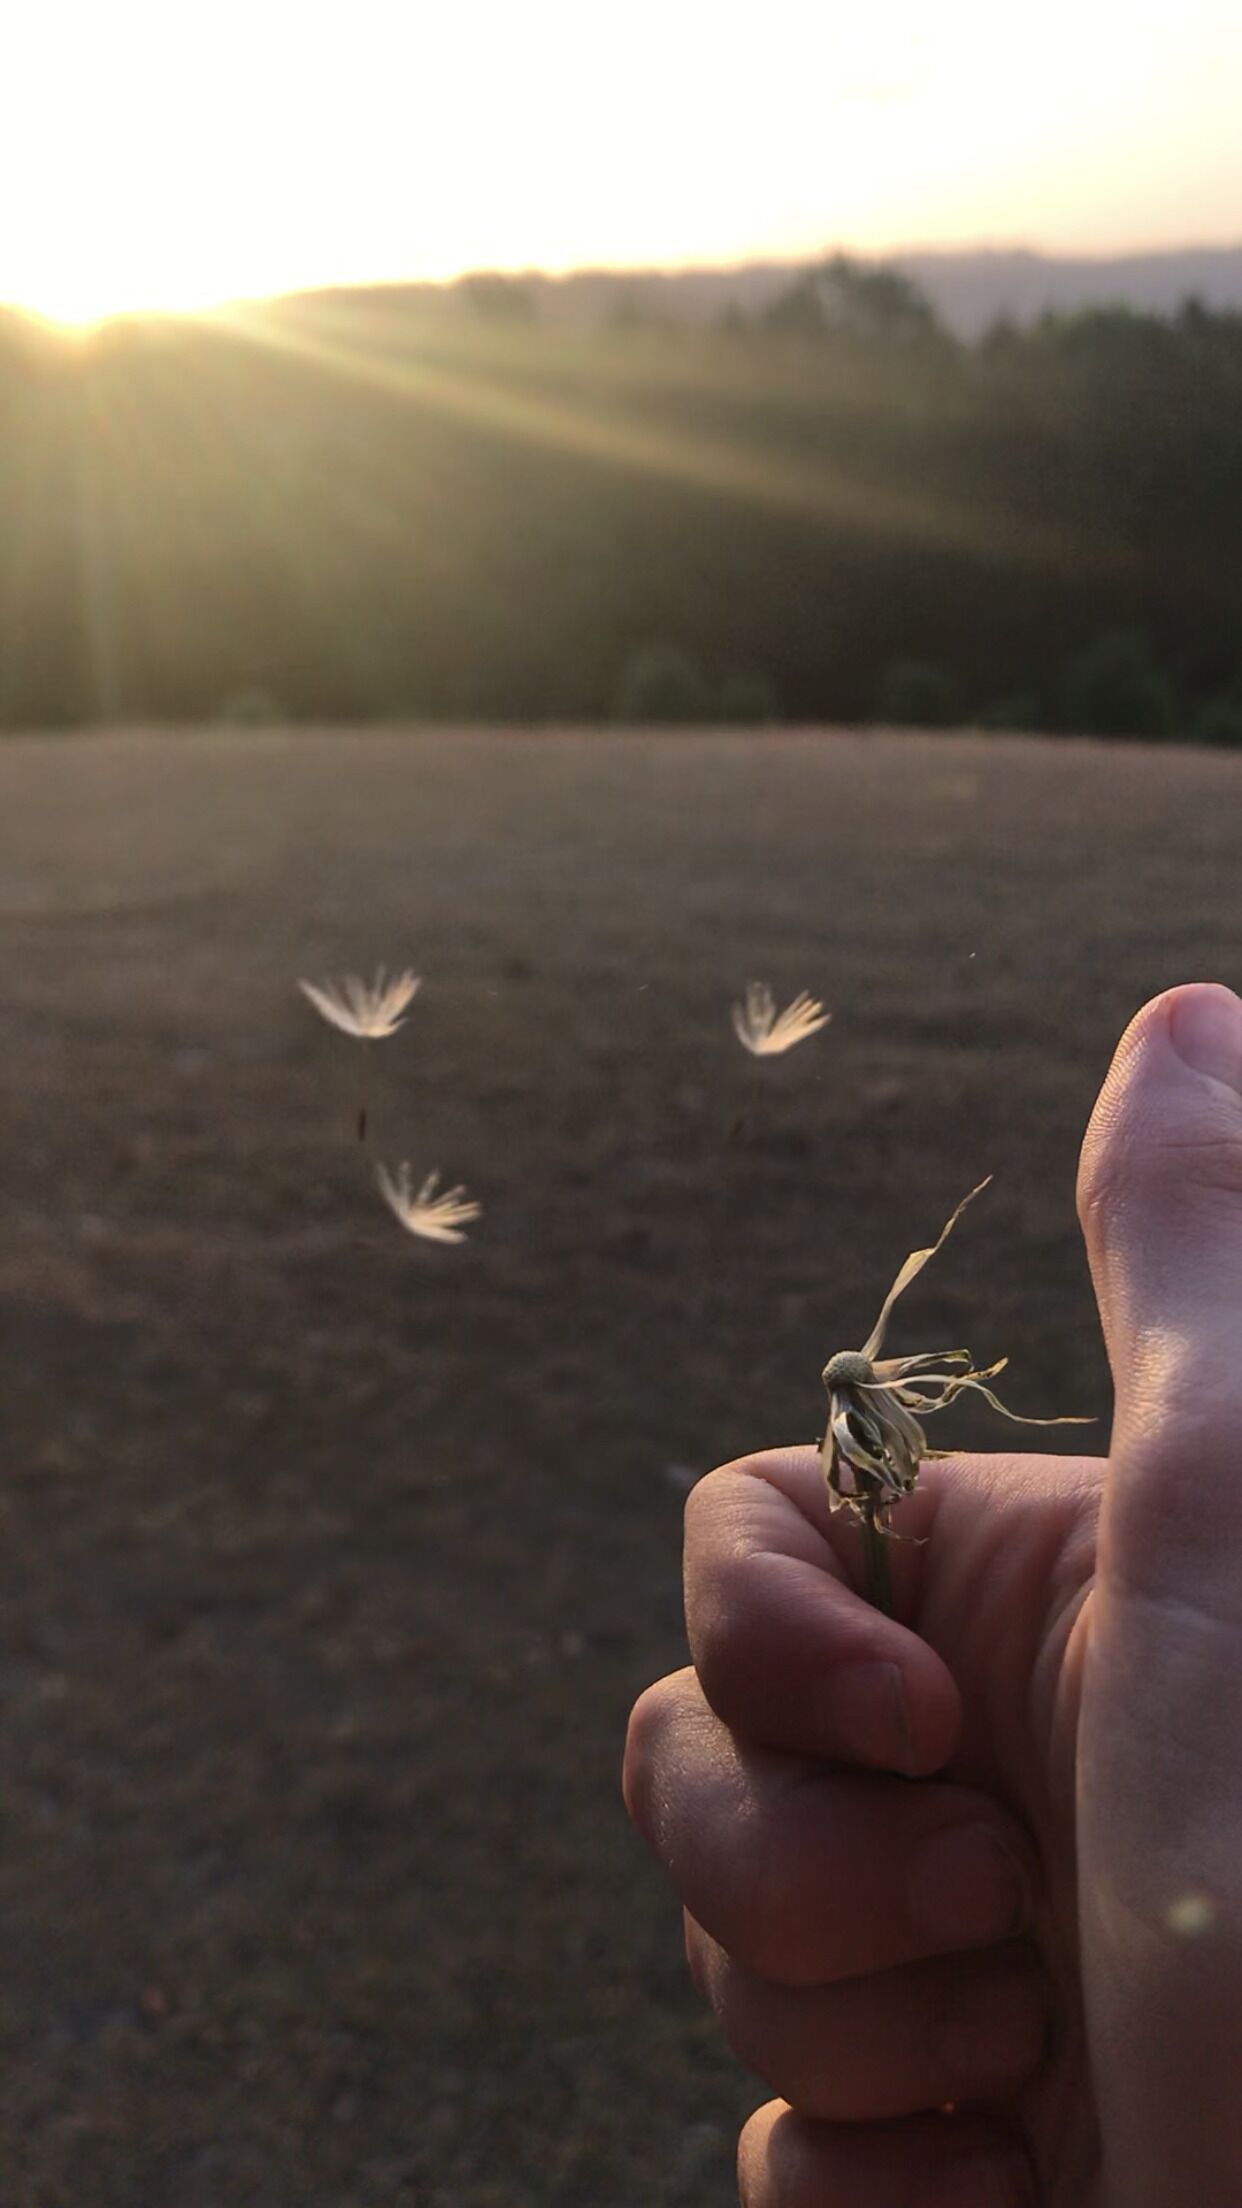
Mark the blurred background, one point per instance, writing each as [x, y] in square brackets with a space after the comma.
[599, 509]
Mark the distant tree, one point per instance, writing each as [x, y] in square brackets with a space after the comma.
[1002, 339]
[915, 693]
[748, 700]
[634, 309]
[253, 708]
[1116, 688]
[874, 304]
[658, 683]
[1219, 721]
[798, 312]
[361, 545]
[1192, 316]
[497, 298]
[1019, 709]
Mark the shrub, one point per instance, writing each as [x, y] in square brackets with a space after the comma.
[1018, 710]
[255, 708]
[748, 700]
[1219, 721]
[1116, 688]
[661, 683]
[915, 693]
[499, 298]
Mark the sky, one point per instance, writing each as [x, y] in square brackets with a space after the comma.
[177, 156]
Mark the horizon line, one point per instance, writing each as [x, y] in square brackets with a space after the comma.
[579, 271]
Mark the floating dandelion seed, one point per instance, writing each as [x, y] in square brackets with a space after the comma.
[875, 1443]
[368, 1010]
[436, 1218]
[764, 1032]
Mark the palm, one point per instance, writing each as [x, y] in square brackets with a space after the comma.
[1001, 1592]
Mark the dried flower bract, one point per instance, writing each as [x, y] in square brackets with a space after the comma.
[765, 1032]
[435, 1218]
[875, 1443]
[369, 1010]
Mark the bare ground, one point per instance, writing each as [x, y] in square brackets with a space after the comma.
[332, 1561]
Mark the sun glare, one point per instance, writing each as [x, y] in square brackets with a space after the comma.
[78, 305]
[76, 278]
[188, 158]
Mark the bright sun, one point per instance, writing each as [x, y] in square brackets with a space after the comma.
[79, 301]
[172, 158]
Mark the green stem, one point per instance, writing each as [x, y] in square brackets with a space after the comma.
[879, 1570]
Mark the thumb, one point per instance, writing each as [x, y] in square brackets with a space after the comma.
[1160, 1197]
[1160, 1741]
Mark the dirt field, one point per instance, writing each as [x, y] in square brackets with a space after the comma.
[333, 1560]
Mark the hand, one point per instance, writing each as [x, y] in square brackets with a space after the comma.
[1045, 1928]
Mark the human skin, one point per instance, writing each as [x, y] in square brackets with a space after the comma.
[990, 1853]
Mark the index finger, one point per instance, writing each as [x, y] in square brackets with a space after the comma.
[788, 1654]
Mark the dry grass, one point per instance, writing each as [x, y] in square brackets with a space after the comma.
[332, 1561]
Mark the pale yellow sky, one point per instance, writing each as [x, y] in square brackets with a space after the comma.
[178, 155]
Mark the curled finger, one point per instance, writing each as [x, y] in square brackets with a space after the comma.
[962, 2028]
[923, 2162]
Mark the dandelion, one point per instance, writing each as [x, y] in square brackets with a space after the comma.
[370, 1011]
[874, 1443]
[435, 1218]
[764, 1032]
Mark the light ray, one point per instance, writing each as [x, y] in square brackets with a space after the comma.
[820, 490]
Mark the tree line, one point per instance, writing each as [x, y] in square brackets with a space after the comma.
[396, 504]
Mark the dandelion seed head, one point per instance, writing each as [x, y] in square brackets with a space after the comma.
[848, 1368]
[874, 1443]
[765, 1032]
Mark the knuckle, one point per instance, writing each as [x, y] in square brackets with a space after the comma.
[724, 1564]
[1133, 1152]
[988, 2029]
[771, 1936]
[706, 1506]
[1104, 1177]
[730, 1994]
[717, 1633]
[700, 1503]
[697, 1948]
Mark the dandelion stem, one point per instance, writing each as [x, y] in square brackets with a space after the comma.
[366, 1083]
[879, 1569]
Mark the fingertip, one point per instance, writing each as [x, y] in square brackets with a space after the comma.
[789, 1657]
[967, 2161]
[888, 1713]
[642, 1734]
[759, 2152]
[1160, 1179]
[1205, 1027]
[788, 1653]
[934, 1702]
[1177, 1067]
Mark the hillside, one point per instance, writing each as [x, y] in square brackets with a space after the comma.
[408, 503]
[969, 289]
